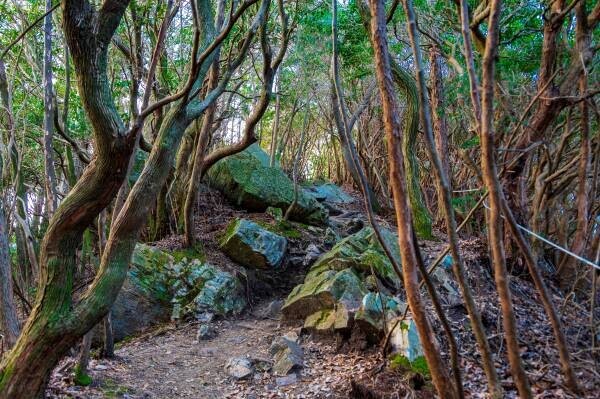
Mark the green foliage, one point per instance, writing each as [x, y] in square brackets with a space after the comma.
[419, 365]
[81, 378]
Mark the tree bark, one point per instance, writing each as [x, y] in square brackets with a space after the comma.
[392, 124]
[490, 177]
[49, 172]
[434, 146]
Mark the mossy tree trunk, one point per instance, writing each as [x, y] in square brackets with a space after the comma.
[53, 327]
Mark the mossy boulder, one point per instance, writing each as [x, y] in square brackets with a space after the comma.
[252, 246]
[361, 251]
[336, 285]
[159, 283]
[200, 287]
[325, 291]
[144, 299]
[248, 181]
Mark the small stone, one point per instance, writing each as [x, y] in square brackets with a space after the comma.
[312, 254]
[205, 331]
[287, 380]
[239, 368]
[205, 317]
[287, 355]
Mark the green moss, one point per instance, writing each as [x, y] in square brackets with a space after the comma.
[283, 228]
[195, 252]
[419, 365]
[81, 378]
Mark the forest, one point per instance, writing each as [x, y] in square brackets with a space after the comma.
[299, 199]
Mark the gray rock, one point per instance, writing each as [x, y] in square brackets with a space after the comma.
[273, 311]
[239, 368]
[205, 291]
[370, 317]
[252, 246]
[205, 332]
[329, 192]
[296, 261]
[144, 299]
[287, 380]
[312, 254]
[287, 355]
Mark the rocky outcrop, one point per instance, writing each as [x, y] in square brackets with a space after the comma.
[336, 285]
[248, 181]
[250, 245]
[144, 299]
[159, 287]
[202, 288]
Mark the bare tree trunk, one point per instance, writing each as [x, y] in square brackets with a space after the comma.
[490, 177]
[9, 322]
[50, 173]
[445, 197]
[392, 124]
[292, 206]
[569, 275]
[275, 132]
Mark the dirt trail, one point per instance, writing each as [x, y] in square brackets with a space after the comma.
[170, 362]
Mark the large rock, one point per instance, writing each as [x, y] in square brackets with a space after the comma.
[323, 291]
[158, 287]
[202, 288]
[144, 299]
[374, 313]
[361, 251]
[248, 181]
[252, 246]
[329, 192]
[336, 285]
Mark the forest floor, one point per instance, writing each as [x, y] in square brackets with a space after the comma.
[170, 362]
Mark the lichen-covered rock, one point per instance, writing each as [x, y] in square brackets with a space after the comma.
[361, 251]
[336, 285]
[404, 339]
[248, 181]
[329, 192]
[324, 291]
[287, 354]
[144, 299]
[201, 288]
[370, 317]
[250, 245]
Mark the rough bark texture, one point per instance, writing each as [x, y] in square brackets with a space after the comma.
[490, 177]
[51, 328]
[392, 124]
[434, 147]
